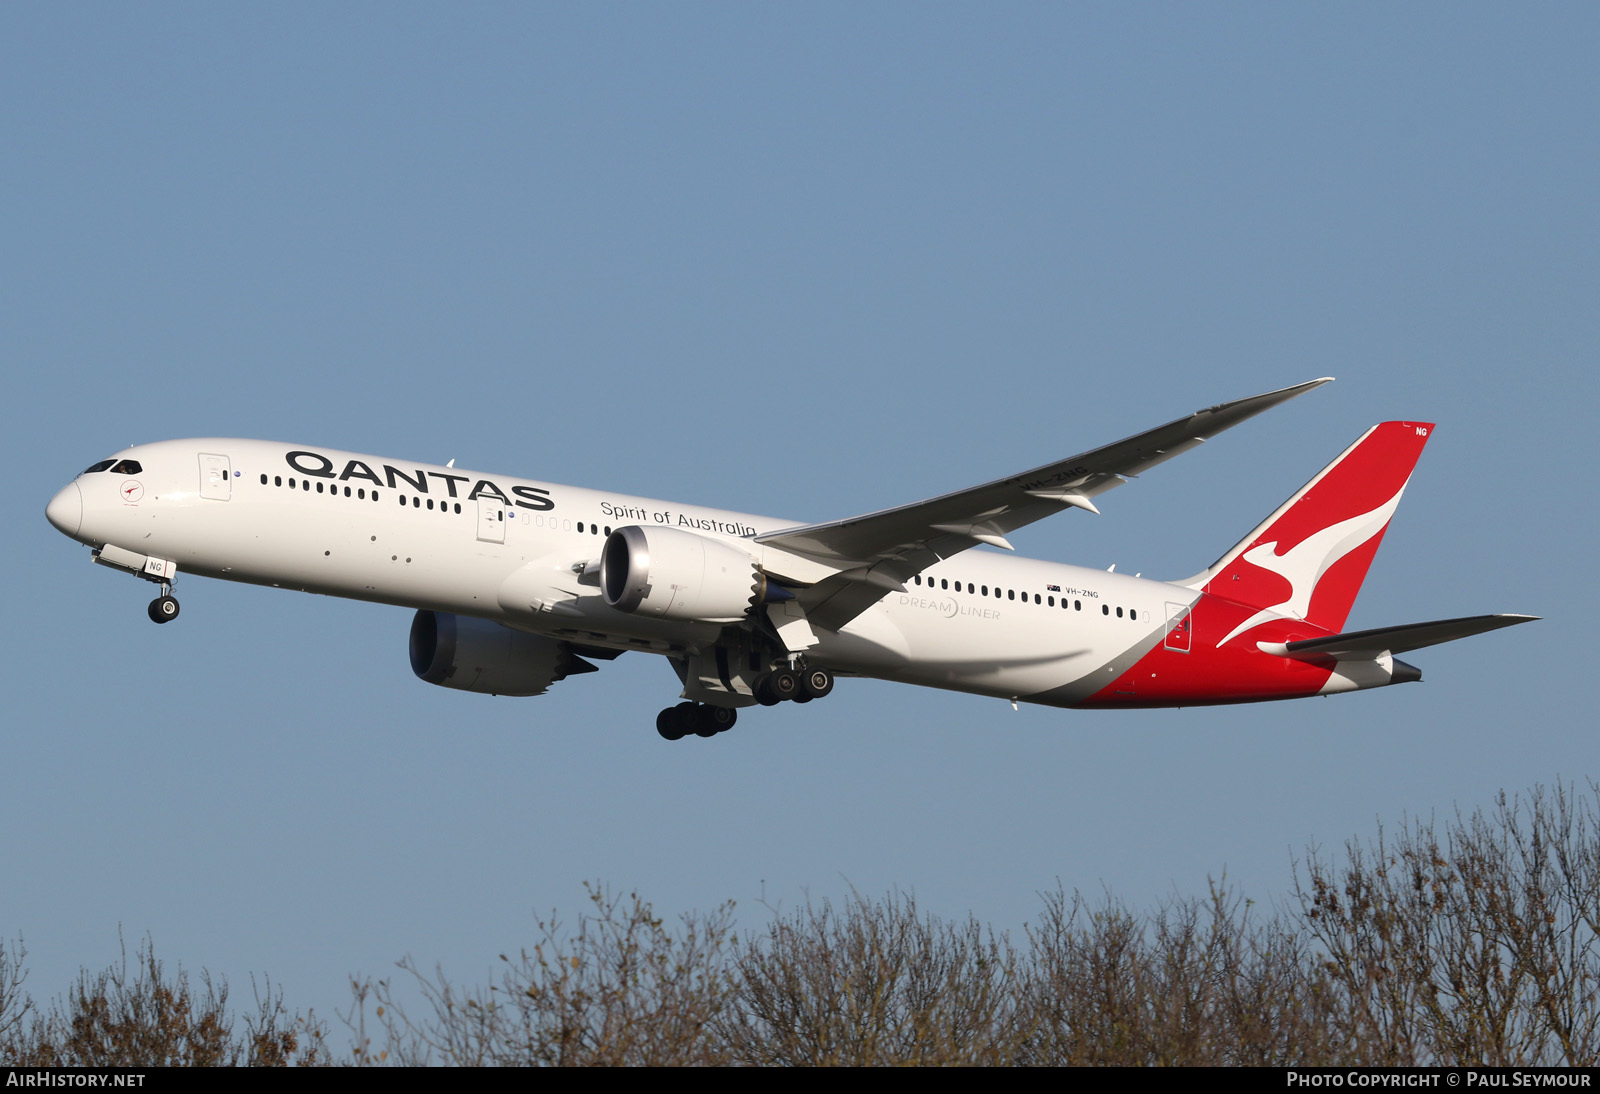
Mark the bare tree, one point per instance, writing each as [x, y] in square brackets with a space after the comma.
[874, 983]
[15, 1005]
[1474, 941]
[1196, 982]
[1476, 945]
[624, 989]
[136, 1015]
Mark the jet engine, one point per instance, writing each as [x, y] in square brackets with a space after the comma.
[668, 573]
[456, 651]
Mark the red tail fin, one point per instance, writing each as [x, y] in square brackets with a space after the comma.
[1308, 559]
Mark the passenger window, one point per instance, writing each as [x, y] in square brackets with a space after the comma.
[944, 583]
[1105, 609]
[1119, 613]
[1011, 594]
[319, 488]
[263, 480]
[1132, 614]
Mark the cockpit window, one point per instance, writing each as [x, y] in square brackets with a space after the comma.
[101, 466]
[127, 467]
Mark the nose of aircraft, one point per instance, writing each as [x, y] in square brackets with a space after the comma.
[65, 510]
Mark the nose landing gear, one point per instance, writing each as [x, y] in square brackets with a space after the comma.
[161, 571]
[164, 608]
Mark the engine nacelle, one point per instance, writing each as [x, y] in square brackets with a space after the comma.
[480, 655]
[668, 573]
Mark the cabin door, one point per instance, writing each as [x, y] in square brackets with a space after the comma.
[216, 477]
[491, 519]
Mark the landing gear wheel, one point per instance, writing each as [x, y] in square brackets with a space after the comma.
[163, 609]
[815, 683]
[701, 719]
[676, 723]
[776, 686]
[692, 716]
[671, 724]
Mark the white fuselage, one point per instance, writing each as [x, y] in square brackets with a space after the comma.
[514, 550]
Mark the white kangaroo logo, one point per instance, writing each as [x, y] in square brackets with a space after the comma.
[1303, 565]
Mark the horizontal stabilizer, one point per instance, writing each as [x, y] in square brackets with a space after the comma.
[1362, 645]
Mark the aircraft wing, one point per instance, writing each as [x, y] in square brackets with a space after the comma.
[879, 551]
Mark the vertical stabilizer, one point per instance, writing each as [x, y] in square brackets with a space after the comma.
[1308, 559]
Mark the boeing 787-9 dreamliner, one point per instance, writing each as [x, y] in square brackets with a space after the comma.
[518, 584]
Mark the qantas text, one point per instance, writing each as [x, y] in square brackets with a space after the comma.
[319, 466]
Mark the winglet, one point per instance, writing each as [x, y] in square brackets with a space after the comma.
[1238, 410]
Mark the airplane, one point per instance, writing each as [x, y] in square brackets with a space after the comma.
[518, 584]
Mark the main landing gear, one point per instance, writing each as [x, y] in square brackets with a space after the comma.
[798, 685]
[164, 608]
[701, 719]
[777, 686]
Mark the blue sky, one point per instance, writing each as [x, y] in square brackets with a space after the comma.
[813, 261]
